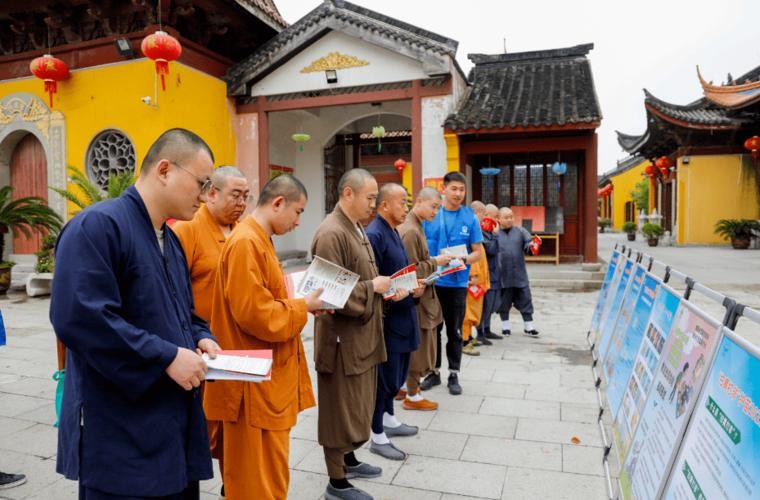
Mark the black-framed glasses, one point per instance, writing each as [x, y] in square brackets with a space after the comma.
[204, 184]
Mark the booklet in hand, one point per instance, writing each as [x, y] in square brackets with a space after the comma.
[246, 366]
[403, 279]
[336, 283]
[454, 266]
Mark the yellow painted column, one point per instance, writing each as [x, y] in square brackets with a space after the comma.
[682, 200]
[406, 179]
[452, 152]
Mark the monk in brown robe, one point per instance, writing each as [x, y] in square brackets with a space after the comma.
[251, 310]
[348, 345]
[429, 314]
[202, 239]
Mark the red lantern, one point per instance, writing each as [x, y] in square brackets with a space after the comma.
[400, 165]
[650, 170]
[162, 48]
[753, 144]
[50, 69]
[663, 163]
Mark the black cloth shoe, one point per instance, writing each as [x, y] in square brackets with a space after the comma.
[506, 333]
[484, 340]
[531, 333]
[494, 336]
[431, 381]
[454, 388]
[11, 480]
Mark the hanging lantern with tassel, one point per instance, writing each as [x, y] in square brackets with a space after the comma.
[300, 139]
[753, 145]
[379, 132]
[162, 48]
[559, 168]
[400, 165]
[50, 69]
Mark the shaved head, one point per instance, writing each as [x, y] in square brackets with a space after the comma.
[428, 193]
[492, 210]
[284, 185]
[355, 179]
[388, 191]
[477, 205]
[177, 145]
[221, 174]
[505, 211]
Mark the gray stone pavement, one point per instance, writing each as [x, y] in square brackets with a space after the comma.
[510, 435]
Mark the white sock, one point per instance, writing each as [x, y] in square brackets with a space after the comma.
[415, 397]
[404, 388]
[390, 421]
[380, 438]
[529, 326]
[453, 372]
[505, 324]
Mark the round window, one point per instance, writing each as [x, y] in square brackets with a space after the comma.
[110, 153]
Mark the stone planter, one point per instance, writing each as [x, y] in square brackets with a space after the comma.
[631, 236]
[5, 279]
[652, 242]
[740, 243]
[39, 284]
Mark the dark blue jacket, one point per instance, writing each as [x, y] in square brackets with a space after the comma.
[491, 247]
[400, 320]
[122, 309]
[513, 243]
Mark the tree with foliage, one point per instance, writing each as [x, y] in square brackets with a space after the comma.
[87, 192]
[25, 216]
[640, 195]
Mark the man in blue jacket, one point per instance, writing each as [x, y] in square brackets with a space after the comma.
[131, 422]
[399, 321]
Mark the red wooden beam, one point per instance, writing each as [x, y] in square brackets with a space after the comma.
[522, 129]
[527, 144]
[416, 137]
[263, 149]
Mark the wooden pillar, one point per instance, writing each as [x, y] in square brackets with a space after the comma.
[263, 145]
[588, 228]
[416, 136]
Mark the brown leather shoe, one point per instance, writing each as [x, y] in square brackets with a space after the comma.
[400, 395]
[423, 405]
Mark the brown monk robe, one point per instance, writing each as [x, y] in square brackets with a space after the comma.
[251, 310]
[202, 239]
[429, 314]
[348, 345]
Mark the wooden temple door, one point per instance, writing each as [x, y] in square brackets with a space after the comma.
[28, 170]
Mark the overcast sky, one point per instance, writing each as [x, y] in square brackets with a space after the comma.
[653, 44]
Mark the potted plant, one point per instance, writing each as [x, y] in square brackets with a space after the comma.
[603, 223]
[24, 216]
[739, 231]
[85, 192]
[652, 232]
[630, 229]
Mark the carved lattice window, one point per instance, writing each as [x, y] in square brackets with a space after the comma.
[111, 152]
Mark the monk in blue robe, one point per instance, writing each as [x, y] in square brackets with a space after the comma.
[400, 327]
[131, 423]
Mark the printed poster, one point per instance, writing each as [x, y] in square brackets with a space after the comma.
[2, 329]
[632, 321]
[637, 386]
[679, 378]
[720, 455]
[611, 309]
[611, 268]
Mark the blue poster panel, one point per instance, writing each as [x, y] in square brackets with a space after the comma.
[720, 455]
[618, 363]
[679, 378]
[612, 308]
[2, 329]
[611, 268]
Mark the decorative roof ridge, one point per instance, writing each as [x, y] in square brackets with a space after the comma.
[650, 98]
[534, 55]
[267, 8]
[727, 88]
[632, 143]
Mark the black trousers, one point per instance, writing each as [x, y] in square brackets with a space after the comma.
[390, 377]
[453, 303]
[192, 492]
[520, 298]
[490, 305]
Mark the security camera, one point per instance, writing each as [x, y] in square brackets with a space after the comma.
[146, 100]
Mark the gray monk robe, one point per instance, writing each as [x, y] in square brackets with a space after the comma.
[429, 314]
[348, 345]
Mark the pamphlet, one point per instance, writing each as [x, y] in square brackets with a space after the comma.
[246, 366]
[336, 283]
[456, 251]
[454, 266]
[403, 279]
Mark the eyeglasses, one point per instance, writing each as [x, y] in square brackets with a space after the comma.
[204, 184]
[241, 198]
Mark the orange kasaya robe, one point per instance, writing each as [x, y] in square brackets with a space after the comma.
[478, 276]
[251, 310]
[202, 240]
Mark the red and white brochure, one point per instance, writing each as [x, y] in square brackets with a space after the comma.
[403, 279]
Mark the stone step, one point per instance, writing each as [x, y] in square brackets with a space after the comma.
[566, 284]
[23, 268]
[563, 274]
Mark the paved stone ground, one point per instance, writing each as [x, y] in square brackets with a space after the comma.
[510, 435]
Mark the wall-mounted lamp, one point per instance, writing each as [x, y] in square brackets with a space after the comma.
[331, 75]
[124, 47]
[685, 160]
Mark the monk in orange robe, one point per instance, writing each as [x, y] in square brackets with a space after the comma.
[202, 239]
[251, 310]
[479, 283]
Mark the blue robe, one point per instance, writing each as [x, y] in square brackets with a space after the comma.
[400, 318]
[514, 243]
[122, 308]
